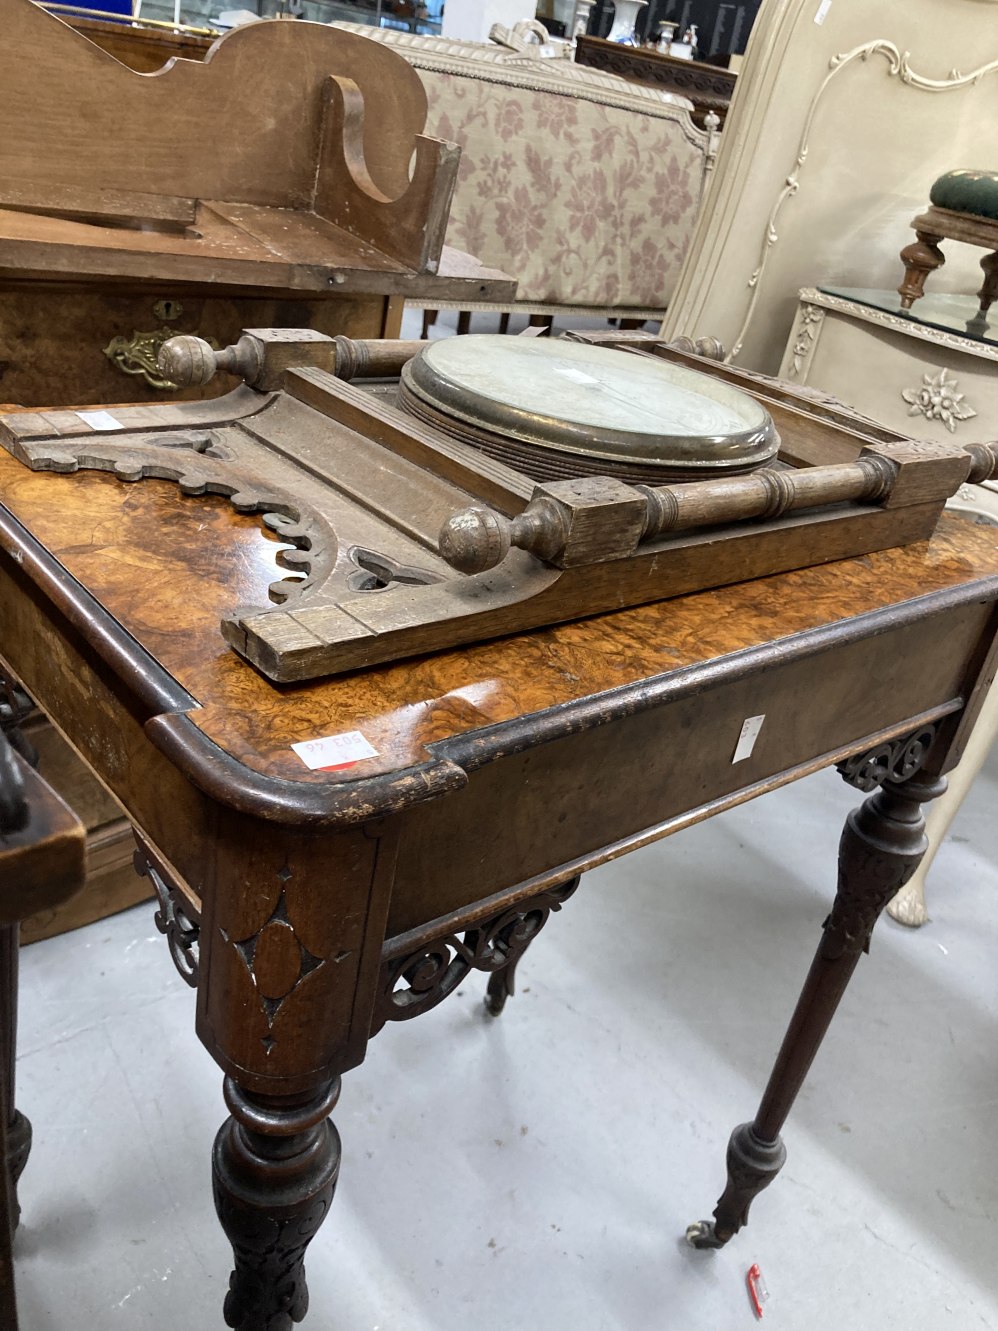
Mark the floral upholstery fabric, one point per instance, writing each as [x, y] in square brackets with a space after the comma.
[582, 186]
[584, 203]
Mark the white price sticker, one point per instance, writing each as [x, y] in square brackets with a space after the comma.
[100, 420]
[334, 751]
[747, 737]
[823, 9]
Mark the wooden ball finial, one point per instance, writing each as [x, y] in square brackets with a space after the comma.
[187, 361]
[474, 540]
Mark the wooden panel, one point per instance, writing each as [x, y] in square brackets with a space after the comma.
[72, 115]
[52, 339]
[110, 171]
[570, 798]
[41, 863]
[112, 885]
[66, 773]
[708, 87]
[111, 882]
[141, 49]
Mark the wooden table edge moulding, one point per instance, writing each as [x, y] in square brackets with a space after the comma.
[310, 907]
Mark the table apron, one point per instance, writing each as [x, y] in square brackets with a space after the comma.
[543, 814]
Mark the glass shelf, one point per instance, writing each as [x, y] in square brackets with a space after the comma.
[948, 312]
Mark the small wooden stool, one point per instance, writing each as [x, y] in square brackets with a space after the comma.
[964, 206]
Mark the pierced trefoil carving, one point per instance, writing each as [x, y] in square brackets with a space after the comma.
[415, 983]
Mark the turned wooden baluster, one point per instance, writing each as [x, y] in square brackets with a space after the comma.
[261, 358]
[274, 1167]
[922, 257]
[988, 293]
[596, 518]
[881, 846]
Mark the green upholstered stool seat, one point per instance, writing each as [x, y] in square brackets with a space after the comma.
[973, 192]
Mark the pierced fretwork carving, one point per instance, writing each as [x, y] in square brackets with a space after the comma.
[419, 981]
[893, 760]
[175, 917]
[222, 462]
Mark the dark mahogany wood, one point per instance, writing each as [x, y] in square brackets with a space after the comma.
[275, 1165]
[41, 864]
[881, 846]
[708, 87]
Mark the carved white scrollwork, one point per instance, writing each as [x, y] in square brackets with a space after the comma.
[811, 318]
[899, 67]
[937, 399]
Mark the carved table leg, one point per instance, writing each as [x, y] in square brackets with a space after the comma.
[881, 846]
[18, 1127]
[922, 257]
[275, 1165]
[988, 293]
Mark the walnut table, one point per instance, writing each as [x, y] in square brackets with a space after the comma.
[468, 790]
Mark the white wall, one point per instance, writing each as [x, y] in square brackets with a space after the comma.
[470, 20]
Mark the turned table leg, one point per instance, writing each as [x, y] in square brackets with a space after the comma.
[922, 257]
[275, 1165]
[18, 1128]
[988, 293]
[881, 846]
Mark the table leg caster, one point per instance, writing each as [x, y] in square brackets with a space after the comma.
[752, 1166]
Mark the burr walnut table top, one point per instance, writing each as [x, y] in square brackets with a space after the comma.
[133, 549]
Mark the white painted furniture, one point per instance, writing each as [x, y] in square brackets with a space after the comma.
[913, 376]
[929, 383]
[843, 116]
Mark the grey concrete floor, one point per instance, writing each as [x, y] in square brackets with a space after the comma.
[537, 1172]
